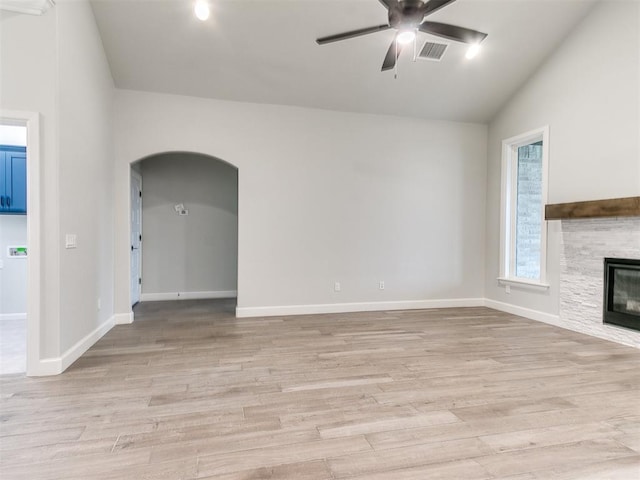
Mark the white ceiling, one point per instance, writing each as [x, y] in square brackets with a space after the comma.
[264, 51]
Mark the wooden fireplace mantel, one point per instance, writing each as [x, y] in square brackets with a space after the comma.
[613, 207]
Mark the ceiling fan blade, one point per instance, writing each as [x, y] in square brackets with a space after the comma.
[390, 4]
[435, 5]
[354, 33]
[452, 32]
[392, 55]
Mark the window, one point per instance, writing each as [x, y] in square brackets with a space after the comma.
[524, 195]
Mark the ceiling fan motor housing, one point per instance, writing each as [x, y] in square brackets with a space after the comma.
[407, 15]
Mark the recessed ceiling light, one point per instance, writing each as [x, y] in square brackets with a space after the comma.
[406, 37]
[473, 51]
[201, 10]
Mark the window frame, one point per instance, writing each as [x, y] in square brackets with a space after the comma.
[508, 205]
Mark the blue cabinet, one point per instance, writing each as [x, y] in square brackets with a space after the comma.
[13, 180]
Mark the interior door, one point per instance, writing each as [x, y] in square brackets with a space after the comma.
[136, 237]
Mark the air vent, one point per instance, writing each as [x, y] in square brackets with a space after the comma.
[433, 51]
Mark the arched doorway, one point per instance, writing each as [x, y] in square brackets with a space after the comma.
[184, 227]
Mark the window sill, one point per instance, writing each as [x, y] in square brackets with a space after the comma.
[517, 282]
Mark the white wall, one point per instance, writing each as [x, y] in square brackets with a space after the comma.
[54, 64]
[588, 93]
[28, 80]
[13, 271]
[196, 252]
[324, 197]
[86, 173]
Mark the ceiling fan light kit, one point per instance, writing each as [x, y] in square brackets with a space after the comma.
[473, 51]
[201, 10]
[407, 17]
[406, 37]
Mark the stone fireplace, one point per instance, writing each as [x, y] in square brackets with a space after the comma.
[589, 236]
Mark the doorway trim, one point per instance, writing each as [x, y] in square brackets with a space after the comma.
[137, 176]
[31, 120]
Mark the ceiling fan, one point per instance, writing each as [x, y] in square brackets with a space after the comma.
[407, 17]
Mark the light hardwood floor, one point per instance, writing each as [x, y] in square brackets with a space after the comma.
[188, 391]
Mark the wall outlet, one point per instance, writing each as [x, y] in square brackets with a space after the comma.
[381, 285]
[507, 289]
[99, 303]
[336, 287]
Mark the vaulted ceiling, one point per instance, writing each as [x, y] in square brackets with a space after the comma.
[264, 51]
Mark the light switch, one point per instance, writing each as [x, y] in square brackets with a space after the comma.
[70, 241]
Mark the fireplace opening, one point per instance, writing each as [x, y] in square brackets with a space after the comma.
[622, 292]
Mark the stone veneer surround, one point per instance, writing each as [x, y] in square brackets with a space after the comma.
[584, 244]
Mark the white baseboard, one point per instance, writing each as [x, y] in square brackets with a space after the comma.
[123, 318]
[46, 367]
[524, 312]
[85, 344]
[57, 365]
[244, 312]
[161, 297]
[13, 316]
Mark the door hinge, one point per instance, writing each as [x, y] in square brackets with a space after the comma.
[140, 237]
[140, 193]
[140, 281]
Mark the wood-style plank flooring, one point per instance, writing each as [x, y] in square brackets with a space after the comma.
[188, 391]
